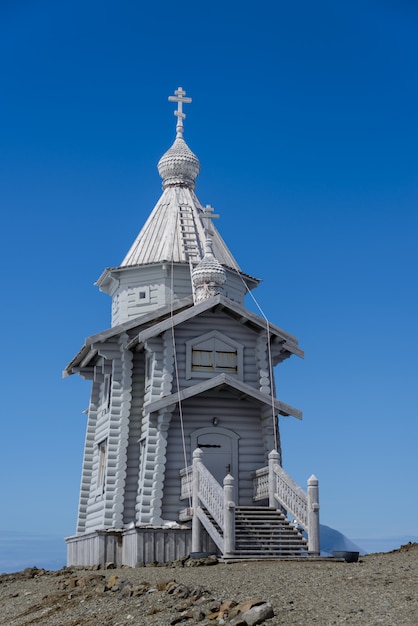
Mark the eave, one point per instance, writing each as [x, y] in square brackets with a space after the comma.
[110, 275]
[89, 350]
[219, 382]
[288, 344]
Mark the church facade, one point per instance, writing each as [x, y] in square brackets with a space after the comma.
[182, 396]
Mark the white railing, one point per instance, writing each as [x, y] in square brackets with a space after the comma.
[207, 492]
[212, 506]
[290, 496]
[211, 495]
[186, 476]
[261, 484]
[211, 529]
[274, 483]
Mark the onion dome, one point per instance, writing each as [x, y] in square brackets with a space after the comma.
[208, 276]
[179, 166]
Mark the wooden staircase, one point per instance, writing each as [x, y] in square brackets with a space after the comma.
[265, 533]
[252, 532]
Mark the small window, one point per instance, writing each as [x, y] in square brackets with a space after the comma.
[213, 353]
[149, 364]
[138, 295]
[102, 449]
[215, 360]
[141, 464]
[107, 390]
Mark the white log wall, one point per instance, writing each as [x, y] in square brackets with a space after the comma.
[228, 326]
[240, 416]
[145, 452]
[135, 424]
[155, 281]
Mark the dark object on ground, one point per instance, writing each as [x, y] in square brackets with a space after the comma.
[349, 557]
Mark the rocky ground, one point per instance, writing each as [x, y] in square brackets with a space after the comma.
[378, 589]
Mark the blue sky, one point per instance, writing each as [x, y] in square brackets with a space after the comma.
[304, 118]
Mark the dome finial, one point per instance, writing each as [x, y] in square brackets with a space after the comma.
[208, 276]
[179, 166]
[179, 97]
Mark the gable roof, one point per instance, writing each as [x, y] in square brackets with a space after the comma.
[88, 350]
[218, 382]
[156, 322]
[288, 342]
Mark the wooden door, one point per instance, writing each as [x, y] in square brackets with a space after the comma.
[217, 453]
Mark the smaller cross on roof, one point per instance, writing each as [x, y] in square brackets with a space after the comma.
[207, 216]
[179, 97]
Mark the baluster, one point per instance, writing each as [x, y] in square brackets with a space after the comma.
[229, 516]
[196, 526]
[313, 516]
[273, 460]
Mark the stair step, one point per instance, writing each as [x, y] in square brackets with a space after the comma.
[264, 533]
[264, 553]
[261, 553]
[266, 540]
[273, 524]
[273, 534]
[266, 530]
[255, 518]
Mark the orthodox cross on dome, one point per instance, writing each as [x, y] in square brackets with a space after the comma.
[207, 216]
[179, 97]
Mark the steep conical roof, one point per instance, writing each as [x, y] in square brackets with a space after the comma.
[175, 230]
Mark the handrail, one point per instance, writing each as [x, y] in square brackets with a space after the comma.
[286, 492]
[261, 484]
[291, 496]
[211, 529]
[212, 506]
[211, 495]
[208, 502]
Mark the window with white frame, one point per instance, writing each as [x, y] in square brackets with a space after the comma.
[149, 365]
[101, 473]
[213, 353]
[138, 295]
[107, 390]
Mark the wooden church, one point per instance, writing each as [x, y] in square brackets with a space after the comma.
[182, 451]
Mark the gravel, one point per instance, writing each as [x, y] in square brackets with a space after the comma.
[378, 589]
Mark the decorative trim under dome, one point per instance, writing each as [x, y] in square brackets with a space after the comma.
[208, 276]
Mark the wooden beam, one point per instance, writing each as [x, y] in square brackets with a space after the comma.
[245, 391]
